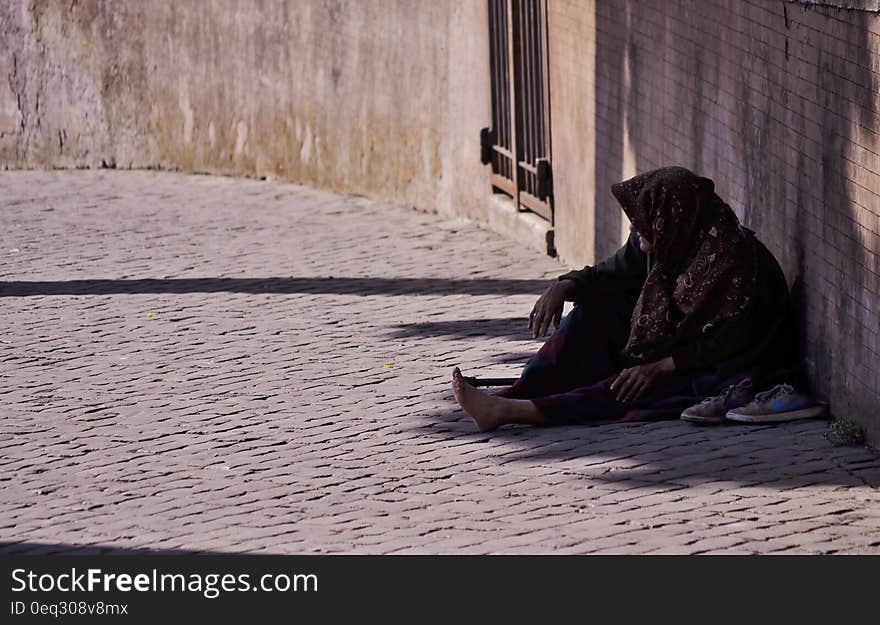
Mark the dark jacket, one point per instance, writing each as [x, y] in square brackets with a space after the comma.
[763, 338]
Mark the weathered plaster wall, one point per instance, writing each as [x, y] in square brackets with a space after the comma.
[779, 102]
[383, 98]
[573, 108]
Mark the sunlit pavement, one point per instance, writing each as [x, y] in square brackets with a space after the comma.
[214, 364]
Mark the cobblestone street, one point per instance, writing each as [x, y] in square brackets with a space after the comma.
[213, 364]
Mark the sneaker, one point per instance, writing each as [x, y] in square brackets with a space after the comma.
[713, 409]
[780, 403]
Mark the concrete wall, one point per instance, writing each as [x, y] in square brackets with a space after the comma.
[573, 117]
[779, 102]
[382, 98]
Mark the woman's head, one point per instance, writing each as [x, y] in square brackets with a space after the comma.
[705, 269]
[665, 206]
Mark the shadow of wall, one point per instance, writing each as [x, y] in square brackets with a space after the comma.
[778, 103]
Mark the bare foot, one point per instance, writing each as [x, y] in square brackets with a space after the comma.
[483, 409]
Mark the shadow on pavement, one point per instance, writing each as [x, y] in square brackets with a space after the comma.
[671, 453]
[277, 285]
[518, 358]
[28, 548]
[515, 327]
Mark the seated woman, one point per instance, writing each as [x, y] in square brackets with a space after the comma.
[692, 304]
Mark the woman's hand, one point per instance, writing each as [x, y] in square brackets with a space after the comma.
[549, 307]
[633, 383]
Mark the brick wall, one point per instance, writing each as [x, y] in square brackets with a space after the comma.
[779, 103]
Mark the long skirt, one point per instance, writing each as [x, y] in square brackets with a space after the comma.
[569, 379]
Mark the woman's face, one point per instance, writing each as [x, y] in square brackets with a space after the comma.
[644, 244]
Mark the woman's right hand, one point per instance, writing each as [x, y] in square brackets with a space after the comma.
[549, 306]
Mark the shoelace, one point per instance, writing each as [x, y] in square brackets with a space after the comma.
[727, 392]
[777, 390]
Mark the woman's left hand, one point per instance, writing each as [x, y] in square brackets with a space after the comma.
[633, 383]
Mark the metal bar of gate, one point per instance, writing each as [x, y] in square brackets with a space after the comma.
[515, 128]
[529, 83]
[546, 135]
[520, 100]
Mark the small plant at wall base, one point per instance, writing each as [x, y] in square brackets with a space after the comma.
[844, 432]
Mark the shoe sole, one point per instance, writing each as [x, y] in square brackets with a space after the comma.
[702, 420]
[778, 417]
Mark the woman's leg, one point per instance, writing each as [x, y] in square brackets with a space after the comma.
[588, 404]
[597, 403]
[580, 352]
[491, 411]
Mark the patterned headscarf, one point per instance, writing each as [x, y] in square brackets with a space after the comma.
[706, 263]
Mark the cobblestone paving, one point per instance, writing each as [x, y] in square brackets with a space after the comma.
[211, 364]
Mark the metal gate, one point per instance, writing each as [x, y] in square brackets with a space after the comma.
[517, 146]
